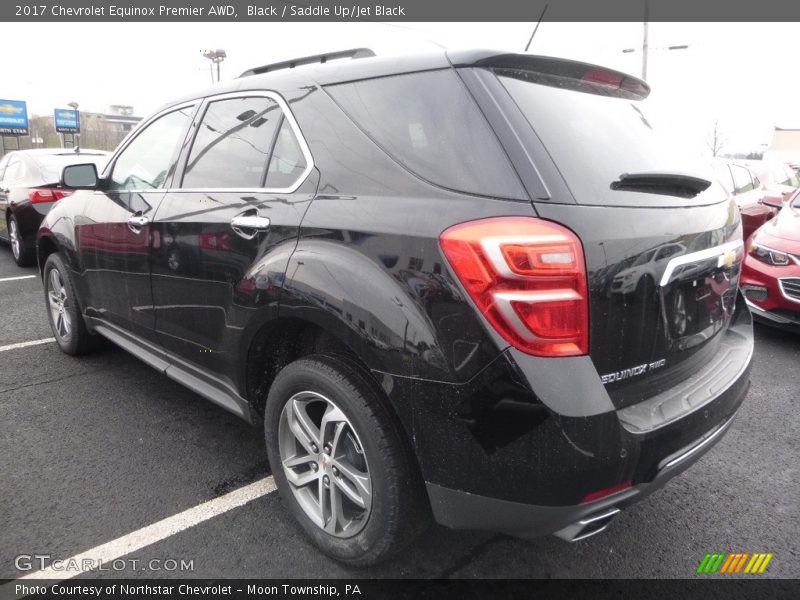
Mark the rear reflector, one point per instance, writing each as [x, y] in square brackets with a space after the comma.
[38, 195]
[527, 277]
[614, 489]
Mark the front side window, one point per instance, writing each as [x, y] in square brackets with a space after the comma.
[149, 160]
[233, 143]
[668, 251]
[644, 258]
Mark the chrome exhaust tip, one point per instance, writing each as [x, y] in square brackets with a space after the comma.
[588, 526]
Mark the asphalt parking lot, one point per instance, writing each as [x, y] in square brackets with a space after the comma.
[98, 448]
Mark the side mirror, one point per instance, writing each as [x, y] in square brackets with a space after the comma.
[772, 202]
[79, 177]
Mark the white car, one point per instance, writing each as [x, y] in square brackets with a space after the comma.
[645, 270]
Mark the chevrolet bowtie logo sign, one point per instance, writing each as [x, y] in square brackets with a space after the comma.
[736, 562]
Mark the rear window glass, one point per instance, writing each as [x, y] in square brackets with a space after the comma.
[429, 124]
[594, 139]
[15, 170]
[51, 166]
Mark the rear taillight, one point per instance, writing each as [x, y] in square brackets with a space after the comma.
[38, 195]
[528, 278]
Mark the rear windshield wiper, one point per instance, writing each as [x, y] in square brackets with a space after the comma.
[666, 183]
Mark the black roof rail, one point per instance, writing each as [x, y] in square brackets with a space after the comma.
[310, 60]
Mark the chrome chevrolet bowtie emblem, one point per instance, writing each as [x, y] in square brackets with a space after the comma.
[727, 259]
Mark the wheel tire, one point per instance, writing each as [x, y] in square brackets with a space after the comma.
[398, 509]
[23, 255]
[73, 338]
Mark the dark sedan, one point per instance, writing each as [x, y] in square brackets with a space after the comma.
[29, 188]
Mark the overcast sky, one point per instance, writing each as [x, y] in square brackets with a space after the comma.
[745, 75]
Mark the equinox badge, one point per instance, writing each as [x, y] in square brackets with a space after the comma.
[632, 372]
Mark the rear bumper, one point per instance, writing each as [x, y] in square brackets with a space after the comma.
[462, 510]
[514, 465]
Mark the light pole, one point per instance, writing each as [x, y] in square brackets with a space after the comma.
[645, 46]
[216, 57]
[74, 106]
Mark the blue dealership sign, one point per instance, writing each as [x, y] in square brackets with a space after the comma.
[13, 117]
[67, 120]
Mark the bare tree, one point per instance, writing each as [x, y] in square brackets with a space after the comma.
[716, 141]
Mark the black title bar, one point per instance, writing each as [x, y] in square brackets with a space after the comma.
[396, 10]
[395, 589]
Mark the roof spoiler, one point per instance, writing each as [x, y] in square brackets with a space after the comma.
[310, 60]
[545, 68]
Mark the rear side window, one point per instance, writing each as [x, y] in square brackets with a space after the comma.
[428, 123]
[232, 145]
[287, 162]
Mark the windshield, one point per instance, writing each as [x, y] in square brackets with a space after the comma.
[51, 165]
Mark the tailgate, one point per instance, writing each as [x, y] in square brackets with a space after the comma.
[662, 286]
[662, 240]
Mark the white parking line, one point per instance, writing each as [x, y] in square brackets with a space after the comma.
[18, 278]
[156, 532]
[26, 344]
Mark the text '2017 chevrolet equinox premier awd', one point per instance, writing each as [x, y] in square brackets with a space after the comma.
[468, 285]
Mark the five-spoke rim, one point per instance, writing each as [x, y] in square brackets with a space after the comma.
[324, 463]
[57, 301]
[13, 236]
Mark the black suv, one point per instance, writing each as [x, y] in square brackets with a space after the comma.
[472, 285]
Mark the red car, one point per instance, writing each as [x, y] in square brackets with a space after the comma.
[771, 273]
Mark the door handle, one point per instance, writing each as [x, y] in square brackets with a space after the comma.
[136, 222]
[248, 226]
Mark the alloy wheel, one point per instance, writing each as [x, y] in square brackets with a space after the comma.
[324, 463]
[13, 236]
[57, 303]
